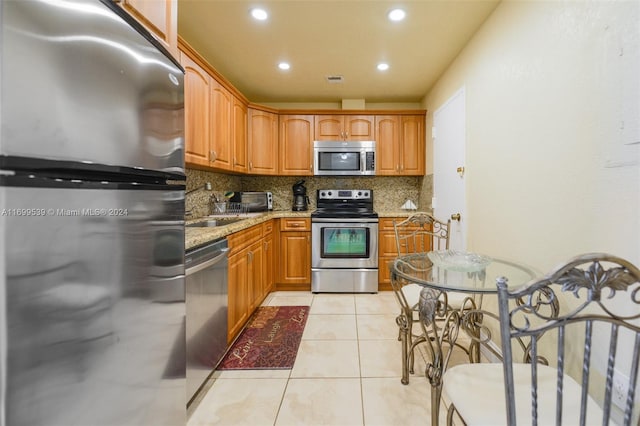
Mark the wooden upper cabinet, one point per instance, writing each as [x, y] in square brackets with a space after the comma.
[160, 17]
[329, 127]
[412, 147]
[400, 145]
[344, 127]
[296, 145]
[263, 142]
[221, 119]
[240, 157]
[196, 112]
[387, 145]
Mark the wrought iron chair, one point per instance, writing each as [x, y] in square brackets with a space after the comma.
[421, 232]
[587, 310]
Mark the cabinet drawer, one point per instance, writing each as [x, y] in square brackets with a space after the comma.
[295, 224]
[267, 228]
[386, 224]
[244, 238]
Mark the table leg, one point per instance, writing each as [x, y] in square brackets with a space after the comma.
[437, 338]
[405, 334]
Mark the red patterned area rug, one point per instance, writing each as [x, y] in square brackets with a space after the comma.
[269, 341]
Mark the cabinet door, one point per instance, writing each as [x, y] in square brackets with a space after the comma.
[256, 277]
[238, 311]
[296, 145]
[412, 146]
[263, 142]
[359, 127]
[295, 258]
[387, 145]
[329, 128]
[344, 127]
[268, 267]
[158, 16]
[196, 112]
[240, 157]
[221, 118]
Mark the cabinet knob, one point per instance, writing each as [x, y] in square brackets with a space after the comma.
[250, 165]
[213, 156]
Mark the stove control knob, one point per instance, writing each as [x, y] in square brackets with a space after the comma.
[366, 194]
[329, 193]
[359, 193]
[322, 194]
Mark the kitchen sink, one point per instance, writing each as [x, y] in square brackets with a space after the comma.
[213, 223]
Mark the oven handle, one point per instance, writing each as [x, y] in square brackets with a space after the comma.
[343, 220]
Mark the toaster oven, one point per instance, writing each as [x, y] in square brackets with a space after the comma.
[254, 201]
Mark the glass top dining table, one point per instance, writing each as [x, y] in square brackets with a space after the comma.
[460, 271]
[472, 275]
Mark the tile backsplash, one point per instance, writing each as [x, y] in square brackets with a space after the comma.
[390, 192]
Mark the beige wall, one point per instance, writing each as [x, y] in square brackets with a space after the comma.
[547, 88]
[548, 174]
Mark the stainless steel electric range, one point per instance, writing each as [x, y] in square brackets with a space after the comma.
[344, 241]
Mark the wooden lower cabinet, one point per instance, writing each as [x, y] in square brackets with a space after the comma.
[294, 271]
[387, 250]
[238, 310]
[246, 277]
[268, 277]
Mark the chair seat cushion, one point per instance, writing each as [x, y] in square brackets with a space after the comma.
[477, 392]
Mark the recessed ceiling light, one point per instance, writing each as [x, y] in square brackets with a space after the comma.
[284, 65]
[259, 14]
[397, 15]
[383, 66]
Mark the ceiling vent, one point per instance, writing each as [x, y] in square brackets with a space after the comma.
[335, 79]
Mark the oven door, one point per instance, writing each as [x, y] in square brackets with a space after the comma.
[344, 243]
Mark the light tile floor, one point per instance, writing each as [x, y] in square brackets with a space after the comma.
[347, 372]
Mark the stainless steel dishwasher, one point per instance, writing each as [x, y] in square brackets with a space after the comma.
[206, 304]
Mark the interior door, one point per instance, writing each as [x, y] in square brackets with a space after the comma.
[449, 174]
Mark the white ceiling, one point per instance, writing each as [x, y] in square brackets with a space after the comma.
[326, 37]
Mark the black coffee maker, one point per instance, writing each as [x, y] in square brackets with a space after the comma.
[300, 199]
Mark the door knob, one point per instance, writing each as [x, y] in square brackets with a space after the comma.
[455, 216]
[460, 171]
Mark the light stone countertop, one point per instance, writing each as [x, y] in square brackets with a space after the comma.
[196, 237]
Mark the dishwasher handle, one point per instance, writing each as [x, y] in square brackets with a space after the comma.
[199, 267]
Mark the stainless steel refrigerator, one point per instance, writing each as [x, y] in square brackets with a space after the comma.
[92, 306]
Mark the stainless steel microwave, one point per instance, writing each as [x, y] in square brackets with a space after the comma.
[344, 158]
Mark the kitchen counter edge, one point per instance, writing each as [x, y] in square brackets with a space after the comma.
[197, 237]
